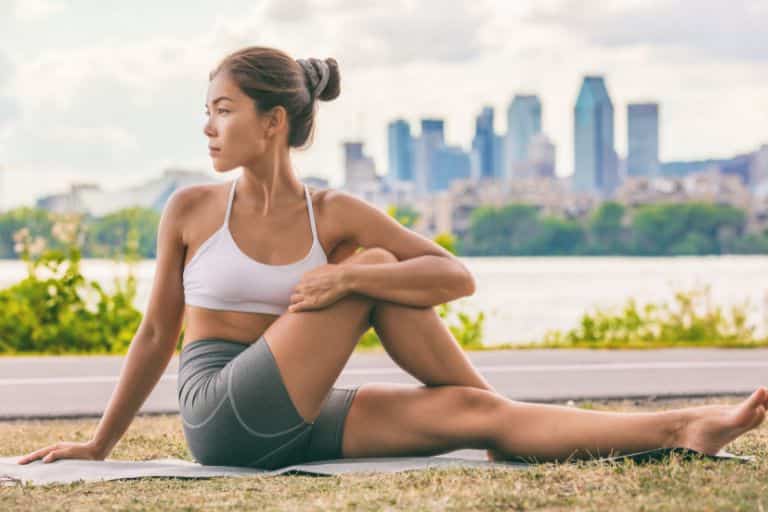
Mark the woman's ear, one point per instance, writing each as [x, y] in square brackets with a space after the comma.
[277, 120]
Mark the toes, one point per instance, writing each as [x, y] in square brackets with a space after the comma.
[745, 412]
[758, 397]
[759, 417]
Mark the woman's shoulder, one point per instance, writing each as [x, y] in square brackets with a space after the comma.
[198, 194]
[193, 204]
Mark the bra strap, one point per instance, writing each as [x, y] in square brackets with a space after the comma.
[311, 212]
[229, 202]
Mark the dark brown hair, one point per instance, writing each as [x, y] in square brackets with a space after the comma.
[272, 77]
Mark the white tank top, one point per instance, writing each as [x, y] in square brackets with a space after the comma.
[221, 276]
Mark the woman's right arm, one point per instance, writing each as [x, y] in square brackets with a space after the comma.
[150, 350]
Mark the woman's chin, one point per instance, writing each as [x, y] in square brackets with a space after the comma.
[222, 167]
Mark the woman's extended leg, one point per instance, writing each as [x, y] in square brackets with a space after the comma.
[398, 419]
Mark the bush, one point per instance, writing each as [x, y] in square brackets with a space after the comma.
[691, 321]
[52, 314]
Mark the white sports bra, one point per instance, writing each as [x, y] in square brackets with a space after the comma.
[221, 276]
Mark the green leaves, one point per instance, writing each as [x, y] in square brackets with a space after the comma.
[49, 311]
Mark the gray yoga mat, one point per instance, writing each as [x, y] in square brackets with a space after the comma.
[72, 470]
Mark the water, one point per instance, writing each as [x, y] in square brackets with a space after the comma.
[525, 297]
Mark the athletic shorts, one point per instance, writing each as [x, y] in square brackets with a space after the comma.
[236, 410]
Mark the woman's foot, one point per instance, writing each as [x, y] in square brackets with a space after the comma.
[707, 429]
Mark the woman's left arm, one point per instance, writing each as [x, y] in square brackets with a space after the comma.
[422, 281]
[425, 275]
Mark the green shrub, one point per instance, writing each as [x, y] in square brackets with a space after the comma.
[53, 314]
[690, 321]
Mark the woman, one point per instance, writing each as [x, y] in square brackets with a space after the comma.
[272, 318]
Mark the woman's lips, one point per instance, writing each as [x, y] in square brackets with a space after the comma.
[213, 151]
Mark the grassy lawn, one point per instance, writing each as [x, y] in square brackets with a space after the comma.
[674, 485]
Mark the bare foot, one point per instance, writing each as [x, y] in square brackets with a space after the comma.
[707, 429]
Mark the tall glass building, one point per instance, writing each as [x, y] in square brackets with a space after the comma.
[400, 150]
[595, 160]
[483, 143]
[451, 163]
[523, 122]
[432, 138]
[643, 139]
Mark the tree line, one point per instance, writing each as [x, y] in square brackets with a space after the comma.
[513, 230]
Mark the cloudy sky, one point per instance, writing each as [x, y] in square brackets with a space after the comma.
[114, 92]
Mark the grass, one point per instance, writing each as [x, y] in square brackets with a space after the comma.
[672, 485]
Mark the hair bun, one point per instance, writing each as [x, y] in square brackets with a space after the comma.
[322, 77]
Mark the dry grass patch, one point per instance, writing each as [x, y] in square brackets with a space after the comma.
[673, 485]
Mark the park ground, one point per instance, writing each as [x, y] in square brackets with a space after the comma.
[673, 484]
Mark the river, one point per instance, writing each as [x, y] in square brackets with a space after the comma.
[523, 297]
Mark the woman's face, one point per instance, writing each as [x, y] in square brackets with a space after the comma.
[234, 126]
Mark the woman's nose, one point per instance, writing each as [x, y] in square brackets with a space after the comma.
[207, 128]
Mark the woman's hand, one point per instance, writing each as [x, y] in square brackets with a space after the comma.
[64, 450]
[318, 288]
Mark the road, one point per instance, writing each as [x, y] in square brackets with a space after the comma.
[73, 386]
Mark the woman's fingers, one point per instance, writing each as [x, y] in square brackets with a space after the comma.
[54, 455]
[42, 452]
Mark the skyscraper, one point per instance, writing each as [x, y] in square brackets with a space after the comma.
[595, 160]
[400, 150]
[541, 155]
[483, 143]
[432, 137]
[359, 169]
[523, 122]
[450, 163]
[643, 139]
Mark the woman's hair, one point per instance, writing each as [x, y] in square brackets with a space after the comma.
[272, 77]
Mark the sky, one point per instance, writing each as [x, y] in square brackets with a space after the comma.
[114, 92]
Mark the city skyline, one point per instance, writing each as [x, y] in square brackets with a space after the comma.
[112, 98]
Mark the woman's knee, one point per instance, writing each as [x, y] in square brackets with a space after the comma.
[474, 399]
[372, 255]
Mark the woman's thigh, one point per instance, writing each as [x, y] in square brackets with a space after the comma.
[387, 419]
[313, 346]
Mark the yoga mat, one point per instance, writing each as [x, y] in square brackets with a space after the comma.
[73, 470]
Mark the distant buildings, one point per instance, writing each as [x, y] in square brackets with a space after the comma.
[523, 123]
[431, 139]
[483, 145]
[446, 182]
[90, 199]
[359, 169]
[643, 139]
[400, 150]
[541, 156]
[595, 159]
[450, 163]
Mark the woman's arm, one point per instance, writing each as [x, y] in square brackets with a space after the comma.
[152, 347]
[421, 281]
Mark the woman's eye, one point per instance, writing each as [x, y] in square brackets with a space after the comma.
[222, 110]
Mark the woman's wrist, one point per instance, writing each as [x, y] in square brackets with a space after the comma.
[348, 278]
[100, 449]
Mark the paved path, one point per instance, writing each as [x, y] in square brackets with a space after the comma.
[69, 386]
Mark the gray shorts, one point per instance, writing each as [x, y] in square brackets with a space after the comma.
[236, 410]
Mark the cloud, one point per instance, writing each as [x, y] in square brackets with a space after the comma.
[710, 28]
[288, 10]
[367, 34]
[33, 10]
